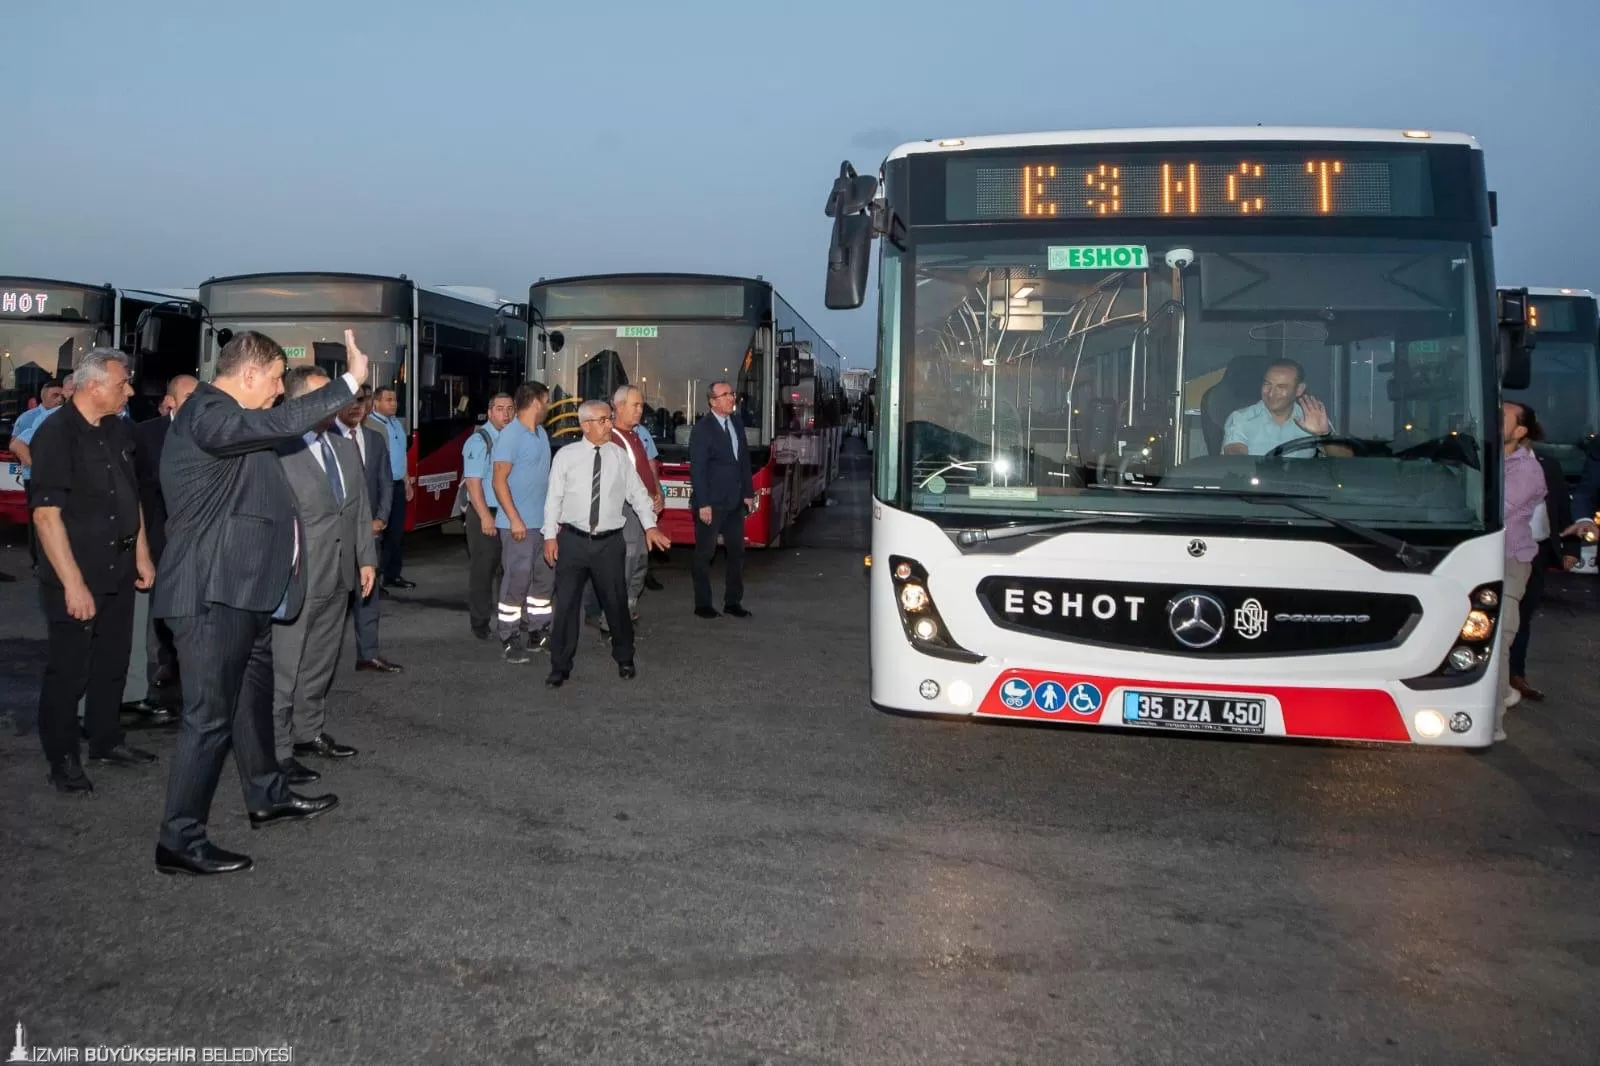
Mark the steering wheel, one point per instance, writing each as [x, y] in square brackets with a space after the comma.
[1305, 444]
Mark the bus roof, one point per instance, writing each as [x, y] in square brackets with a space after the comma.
[473, 294]
[1156, 135]
[1542, 290]
[663, 274]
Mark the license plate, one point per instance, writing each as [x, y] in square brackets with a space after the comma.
[676, 495]
[1206, 713]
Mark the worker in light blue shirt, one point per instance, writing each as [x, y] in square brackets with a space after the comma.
[52, 398]
[477, 505]
[386, 416]
[521, 460]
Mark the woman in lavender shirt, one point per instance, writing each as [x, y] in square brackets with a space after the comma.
[1524, 492]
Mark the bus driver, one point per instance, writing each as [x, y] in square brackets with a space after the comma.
[1284, 413]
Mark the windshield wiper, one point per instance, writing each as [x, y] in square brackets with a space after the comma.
[968, 538]
[1409, 557]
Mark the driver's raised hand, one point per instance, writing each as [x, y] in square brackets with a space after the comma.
[355, 360]
[1314, 417]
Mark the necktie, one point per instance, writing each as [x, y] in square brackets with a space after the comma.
[355, 438]
[330, 466]
[594, 495]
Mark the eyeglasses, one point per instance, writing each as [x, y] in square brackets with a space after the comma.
[721, 395]
[602, 418]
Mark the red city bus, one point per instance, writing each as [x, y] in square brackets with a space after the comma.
[446, 350]
[672, 335]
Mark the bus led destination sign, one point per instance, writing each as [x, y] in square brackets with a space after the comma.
[24, 303]
[1084, 185]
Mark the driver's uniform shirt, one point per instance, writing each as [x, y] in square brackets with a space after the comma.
[1259, 432]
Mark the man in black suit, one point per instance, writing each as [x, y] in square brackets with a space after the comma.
[373, 448]
[162, 695]
[722, 494]
[233, 562]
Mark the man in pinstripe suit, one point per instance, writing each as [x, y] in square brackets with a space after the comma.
[233, 563]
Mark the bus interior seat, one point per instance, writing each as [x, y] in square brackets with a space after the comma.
[1239, 386]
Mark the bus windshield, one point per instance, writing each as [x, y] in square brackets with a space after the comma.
[308, 339]
[1564, 390]
[673, 364]
[1041, 374]
[33, 352]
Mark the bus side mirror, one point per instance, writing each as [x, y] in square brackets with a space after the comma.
[788, 366]
[1514, 313]
[557, 340]
[849, 205]
[150, 332]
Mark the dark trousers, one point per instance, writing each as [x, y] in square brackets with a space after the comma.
[394, 535]
[161, 654]
[729, 523]
[86, 661]
[33, 531]
[1529, 604]
[483, 575]
[604, 562]
[226, 658]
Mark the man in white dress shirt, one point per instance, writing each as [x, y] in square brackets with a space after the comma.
[590, 481]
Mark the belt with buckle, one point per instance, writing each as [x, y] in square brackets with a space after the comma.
[570, 528]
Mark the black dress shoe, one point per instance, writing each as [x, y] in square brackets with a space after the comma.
[68, 776]
[325, 747]
[706, 612]
[652, 584]
[298, 773]
[626, 671]
[379, 665]
[737, 611]
[122, 755]
[202, 861]
[557, 678]
[148, 713]
[297, 808]
[399, 583]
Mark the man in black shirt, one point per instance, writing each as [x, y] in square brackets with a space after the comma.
[85, 506]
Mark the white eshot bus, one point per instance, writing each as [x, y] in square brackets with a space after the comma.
[1092, 501]
[1564, 382]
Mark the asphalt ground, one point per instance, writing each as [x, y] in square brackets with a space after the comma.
[734, 859]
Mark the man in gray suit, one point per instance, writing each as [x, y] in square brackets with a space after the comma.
[324, 470]
[374, 452]
[234, 559]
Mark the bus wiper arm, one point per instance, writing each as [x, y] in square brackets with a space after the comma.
[1409, 557]
[969, 537]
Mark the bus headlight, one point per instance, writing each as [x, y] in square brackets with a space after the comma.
[919, 616]
[1465, 663]
[1478, 626]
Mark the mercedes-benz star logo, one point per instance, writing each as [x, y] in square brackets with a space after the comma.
[1197, 620]
[1197, 548]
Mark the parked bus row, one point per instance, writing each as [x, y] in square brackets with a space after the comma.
[447, 349]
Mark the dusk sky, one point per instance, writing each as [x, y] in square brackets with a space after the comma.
[491, 142]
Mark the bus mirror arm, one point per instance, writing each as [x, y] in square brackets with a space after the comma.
[1516, 337]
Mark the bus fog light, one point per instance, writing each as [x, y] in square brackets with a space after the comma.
[1462, 658]
[926, 628]
[1478, 626]
[960, 693]
[913, 597]
[902, 571]
[1429, 723]
[1488, 598]
[1460, 722]
[929, 689]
